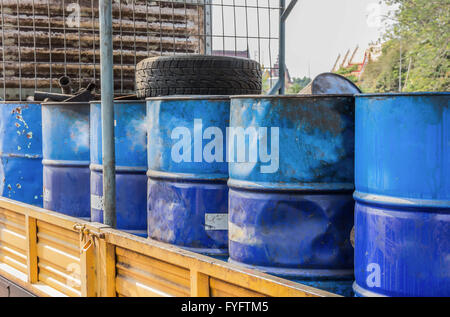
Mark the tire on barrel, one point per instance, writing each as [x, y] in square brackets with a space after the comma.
[197, 75]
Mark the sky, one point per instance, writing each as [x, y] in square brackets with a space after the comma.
[316, 30]
[319, 30]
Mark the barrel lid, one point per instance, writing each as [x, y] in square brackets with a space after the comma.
[404, 94]
[190, 97]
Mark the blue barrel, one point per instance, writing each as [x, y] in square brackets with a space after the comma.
[65, 147]
[187, 201]
[402, 180]
[290, 198]
[131, 165]
[21, 152]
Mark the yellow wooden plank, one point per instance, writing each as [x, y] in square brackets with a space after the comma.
[13, 253]
[52, 217]
[56, 284]
[229, 290]
[199, 284]
[21, 279]
[31, 235]
[107, 269]
[70, 278]
[172, 273]
[12, 238]
[148, 279]
[126, 286]
[12, 225]
[54, 255]
[71, 236]
[63, 245]
[12, 216]
[87, 265]
[13, 262]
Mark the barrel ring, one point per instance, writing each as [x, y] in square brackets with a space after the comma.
[62, 163]
[301, 187]
[219, 178]
[399, 201]
[120, 169]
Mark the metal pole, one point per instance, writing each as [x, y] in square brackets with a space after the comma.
[107, 92]
[282, 45]
[284, 13]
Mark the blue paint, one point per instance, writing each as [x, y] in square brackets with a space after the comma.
[182, 194]
[131, 165]
[21, 152]
[65, 147]
[296, 221]
[402, 214]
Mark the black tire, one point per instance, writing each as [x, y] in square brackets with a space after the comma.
[197, 75]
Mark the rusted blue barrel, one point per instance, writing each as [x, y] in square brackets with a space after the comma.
[65, 147]
[402, 180]
[291, 183]
[187, 172]
[21, 152]
[131, 165]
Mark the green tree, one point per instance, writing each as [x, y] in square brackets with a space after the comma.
[298, 84]
[420, 34]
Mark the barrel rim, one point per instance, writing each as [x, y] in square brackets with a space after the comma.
[393, 201]
[308, 96]
[118, 101]
[220, 178]
[238, 184]
[189, 97]
[62, 103]
[95, 167]
[404, 94]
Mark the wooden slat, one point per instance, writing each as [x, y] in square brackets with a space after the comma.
[32, 260]
[58, 232]
[150, 278]
[174, 273]
[53, 255]
[13, 262]
[58, 285]
[107, 269]
[63, 245]
[199, 284]
[12, 216]
[70, 279]
[224, 289]
[87, 264]
[13, 238]
[126, 286]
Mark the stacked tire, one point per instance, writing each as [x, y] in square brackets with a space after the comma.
[197, 75]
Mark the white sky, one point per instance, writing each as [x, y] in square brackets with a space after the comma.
[316, 30]
[319, 30]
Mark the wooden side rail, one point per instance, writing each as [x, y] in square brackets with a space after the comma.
[51, 254]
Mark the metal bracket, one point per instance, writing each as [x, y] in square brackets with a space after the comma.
[87, 232]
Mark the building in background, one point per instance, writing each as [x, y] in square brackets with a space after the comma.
[353, 66]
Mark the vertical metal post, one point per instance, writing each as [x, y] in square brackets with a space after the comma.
[282, 45]
[208, 27]
[107, 93]
[284, 13]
